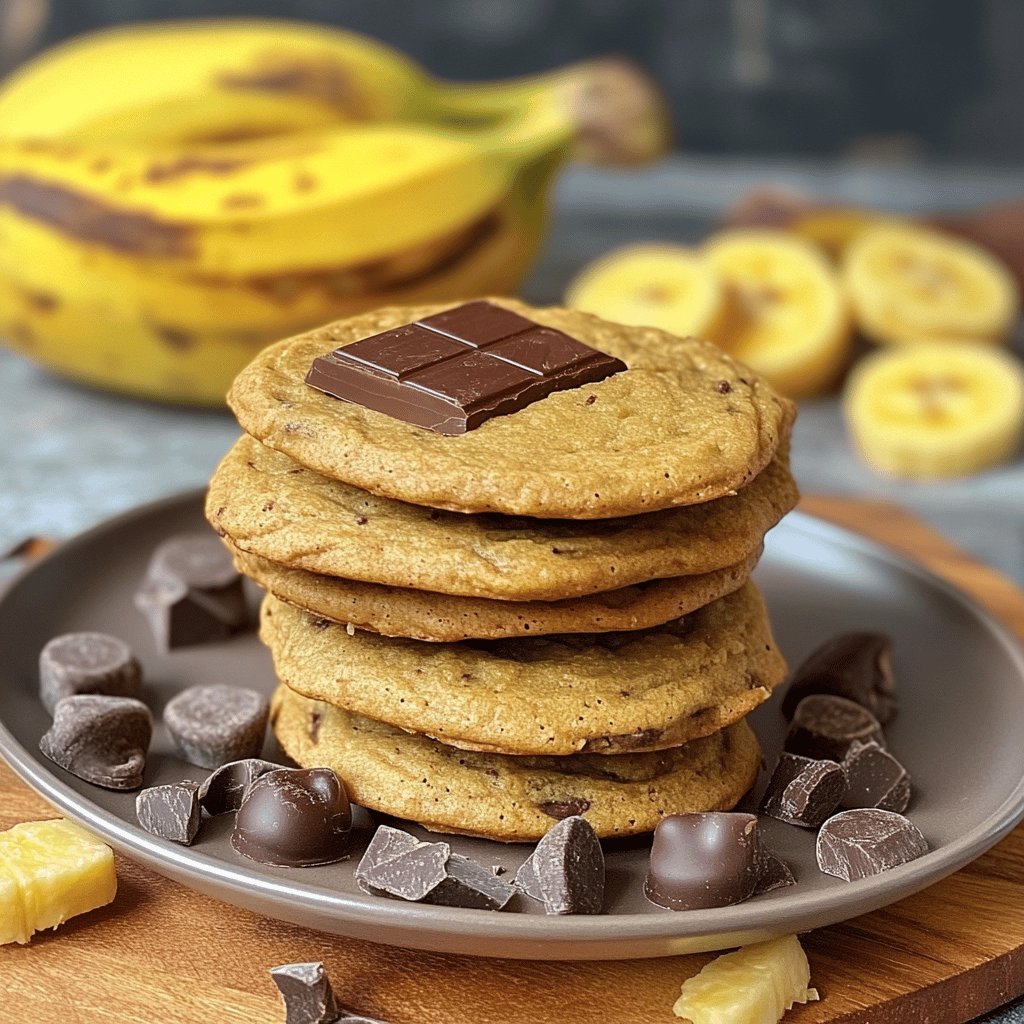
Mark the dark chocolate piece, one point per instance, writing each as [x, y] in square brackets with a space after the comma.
[387, 843]
[87, 663]
[874, 778]
[824, 728]
[866, 841]
[772, 872]
[101, 739]
[294, 817]
[566, 870]
[229, 784]
[171, 811]
[857, 666]
[703, 860]
[459, 368]
[306, 993]
[212, 725]
[803, 791]
[468, 884]
[192, 593]
[411, 875]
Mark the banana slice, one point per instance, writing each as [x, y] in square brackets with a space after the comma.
[787, 314]
[664, 286]
[936, 410]
[910, 284]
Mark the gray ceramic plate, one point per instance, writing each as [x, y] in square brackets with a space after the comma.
[961, 680]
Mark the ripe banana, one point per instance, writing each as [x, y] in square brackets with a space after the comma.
[156, 236]
[909, 284]
[664, 286]
[936, 410]
[787, 316]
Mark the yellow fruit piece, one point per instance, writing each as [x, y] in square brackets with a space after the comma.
[50, 871]
[936, 410]
[664, 286]
[787, 315]
[909, 284]
[755, 985]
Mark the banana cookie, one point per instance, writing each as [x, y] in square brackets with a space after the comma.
[267, 505]
[682, 425]
[603, 693]
[513, 799]
[443, 618]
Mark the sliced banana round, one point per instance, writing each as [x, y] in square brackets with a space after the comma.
[936, 410]
[910, 284]
[787, 315]
[651, 285]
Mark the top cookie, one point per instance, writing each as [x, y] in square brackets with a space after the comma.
[684, 424]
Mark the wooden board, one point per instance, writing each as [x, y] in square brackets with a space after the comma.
[162, 954]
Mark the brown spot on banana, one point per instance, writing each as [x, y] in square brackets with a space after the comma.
[177, 338]
[92, 220]
[38, 302]
[242, 201]
[179, 167]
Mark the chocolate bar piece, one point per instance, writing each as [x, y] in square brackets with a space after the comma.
[566, 870]
[87, 663]
[170, 811]
[228, 786]
[874, 778]
[866, 841]
[824, 728]
[459, 368]
[803, 791]
[212, 725]
[857, 666]
[102, 740]
[306, 992]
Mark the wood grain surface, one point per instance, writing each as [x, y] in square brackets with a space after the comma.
[161, 954]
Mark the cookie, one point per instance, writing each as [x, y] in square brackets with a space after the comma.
[684, 424]
[513, 799]
[441, 618]
[604, 693]
[269, 506]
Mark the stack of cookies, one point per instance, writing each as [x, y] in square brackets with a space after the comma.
[506, 557]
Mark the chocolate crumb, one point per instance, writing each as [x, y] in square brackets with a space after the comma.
[724, 387]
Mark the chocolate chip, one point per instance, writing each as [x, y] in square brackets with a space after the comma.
[171, 811]
[874, 778]
[294, 817]
[100, 739]
[857, 666]
[227, 787]
[565, 808]
[87, 663]
[212, 725]
[724, 387]
[866, 841]
[313, 726]
[703, 860]
[306, 993]
[803, 791]
[566, 870]
[192, 593]
[824, 728]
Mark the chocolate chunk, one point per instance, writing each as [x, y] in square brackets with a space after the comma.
[566, 870]
[294, 817]
[229, 784]
[874, 778]
[803, 791]
[772, 872]
[469, 884]
[212, 725]
[703, 860]
[171, 811]
[101, 739]
[824, 728]
[857, 666]
[457, 369]
[561, 809]
[192, 593]
[387, 843]
[306, 993]
[411, 875]
[87, 663]
[866, 841]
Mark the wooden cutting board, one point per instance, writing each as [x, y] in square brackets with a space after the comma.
[161, 954]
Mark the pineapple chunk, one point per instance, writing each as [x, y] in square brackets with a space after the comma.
[50, 871]
[755, 985]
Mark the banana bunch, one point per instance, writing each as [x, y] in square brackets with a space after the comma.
[767, 297]
[174, 197]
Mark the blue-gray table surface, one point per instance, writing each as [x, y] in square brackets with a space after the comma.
[72, 457]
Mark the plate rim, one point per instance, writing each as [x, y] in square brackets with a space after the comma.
[673, 932]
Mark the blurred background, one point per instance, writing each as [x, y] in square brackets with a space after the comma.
[880, 144]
